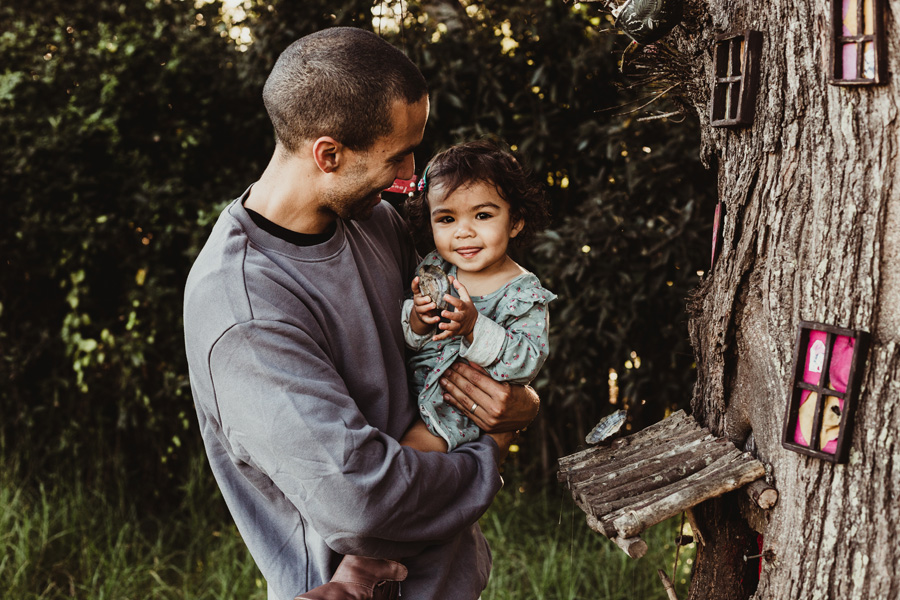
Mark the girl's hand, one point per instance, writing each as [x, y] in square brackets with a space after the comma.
[462, 319]
[424, 313]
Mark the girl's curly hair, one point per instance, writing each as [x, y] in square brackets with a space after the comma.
[480, 161]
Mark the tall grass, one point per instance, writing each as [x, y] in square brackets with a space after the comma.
[60, 539]
[544, 550]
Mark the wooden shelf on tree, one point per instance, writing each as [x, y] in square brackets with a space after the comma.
[652, 475]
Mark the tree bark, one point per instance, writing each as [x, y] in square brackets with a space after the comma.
[812, 232]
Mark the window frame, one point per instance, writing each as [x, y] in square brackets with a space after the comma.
[742, 88]
[838, 40]
[850, 395]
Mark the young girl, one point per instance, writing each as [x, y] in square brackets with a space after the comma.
[474, 200]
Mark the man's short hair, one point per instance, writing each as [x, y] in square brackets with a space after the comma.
[340, 82]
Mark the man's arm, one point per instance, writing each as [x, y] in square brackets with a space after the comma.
[285, 411]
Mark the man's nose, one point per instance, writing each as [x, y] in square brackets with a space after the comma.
[407, 167]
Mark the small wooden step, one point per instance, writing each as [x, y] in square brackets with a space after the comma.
[645, 478]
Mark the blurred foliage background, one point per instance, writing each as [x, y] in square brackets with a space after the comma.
[125, 126]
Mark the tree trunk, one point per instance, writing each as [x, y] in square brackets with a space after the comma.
[812, 233]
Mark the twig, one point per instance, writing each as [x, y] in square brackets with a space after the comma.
[654, 99]
[678, 548]
[670, 589]
[663, 116]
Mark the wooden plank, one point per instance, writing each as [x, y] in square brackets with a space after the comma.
[608, 511]
[671, 444]
[654, 474]
[605, 501]
[628, 472]
[642, 441]
[689, 494]
[648, 434]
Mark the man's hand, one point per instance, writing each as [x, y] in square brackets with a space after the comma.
[494, 406]
[424, 313]
[462, 318]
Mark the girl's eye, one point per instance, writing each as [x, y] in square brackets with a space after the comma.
[444, 220]
[483, 216]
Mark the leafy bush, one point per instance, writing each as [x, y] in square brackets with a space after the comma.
[125, 126]
[632, 203]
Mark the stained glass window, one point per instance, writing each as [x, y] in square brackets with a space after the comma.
[828, 365]
[858, 32]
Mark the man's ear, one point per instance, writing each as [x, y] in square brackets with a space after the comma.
[327, 153]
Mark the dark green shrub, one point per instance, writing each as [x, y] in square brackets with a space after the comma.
[125, 126]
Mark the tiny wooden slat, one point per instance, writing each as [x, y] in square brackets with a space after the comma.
[656, 473]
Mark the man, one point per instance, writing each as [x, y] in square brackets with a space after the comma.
[295, 348]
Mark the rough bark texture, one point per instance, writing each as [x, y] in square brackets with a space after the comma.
[812, 232]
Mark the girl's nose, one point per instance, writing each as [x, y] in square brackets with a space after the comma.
[463, 230]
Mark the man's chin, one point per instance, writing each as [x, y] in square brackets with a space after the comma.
[364, 210]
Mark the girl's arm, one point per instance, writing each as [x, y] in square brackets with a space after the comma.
[514, 351]
[421, 439]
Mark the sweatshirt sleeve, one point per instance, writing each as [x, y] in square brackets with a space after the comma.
[285, 411]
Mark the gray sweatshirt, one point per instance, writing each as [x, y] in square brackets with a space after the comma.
[296, 359]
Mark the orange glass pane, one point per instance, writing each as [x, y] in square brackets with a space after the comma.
[850, 18]
[869, 18]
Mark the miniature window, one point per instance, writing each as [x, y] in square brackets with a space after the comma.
[736, 78]
[858, 42]
[825, 385]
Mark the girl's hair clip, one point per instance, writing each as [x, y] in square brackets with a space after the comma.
[422, 182]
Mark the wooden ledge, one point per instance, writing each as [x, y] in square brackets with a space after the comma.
[652, 475]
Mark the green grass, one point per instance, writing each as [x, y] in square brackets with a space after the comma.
[544, 550]
[60, 539]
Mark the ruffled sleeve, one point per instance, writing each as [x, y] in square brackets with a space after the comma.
[520, 309]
